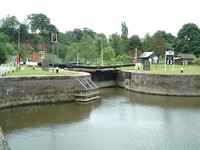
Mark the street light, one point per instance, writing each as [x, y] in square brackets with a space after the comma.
[18, 57]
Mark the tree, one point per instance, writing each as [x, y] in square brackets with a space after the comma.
[108, 54]
[38, 22]
[146, 42]
[3, 54]
[87, 49]
[124, 31]
[72, 52]
[134, 42]
[158, 44]
[124, 34]
[188, 39]
[116, 42]
[9, 26]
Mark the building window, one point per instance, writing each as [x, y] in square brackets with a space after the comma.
[42, 54]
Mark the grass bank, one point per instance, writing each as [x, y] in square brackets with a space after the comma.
[38, 71]
[189, 69]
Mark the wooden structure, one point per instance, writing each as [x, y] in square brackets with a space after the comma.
[89, 93]
[185, 59]
[152, 57]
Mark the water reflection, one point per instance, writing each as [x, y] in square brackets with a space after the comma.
[121, 120]
[43, 115]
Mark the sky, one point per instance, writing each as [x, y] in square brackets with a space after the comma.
[106, 16]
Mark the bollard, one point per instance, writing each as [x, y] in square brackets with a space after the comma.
[57, 69]
[33, 67]
[181, 70]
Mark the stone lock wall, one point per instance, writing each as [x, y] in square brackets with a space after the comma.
[162, 84]
[38, 89]
[3, 142]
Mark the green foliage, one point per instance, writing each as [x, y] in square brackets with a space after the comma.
[9, 26]
[158, 44]
[124, 59]
[72, 53]
[3, 44]
[124, 31]
[146, 42]
[134, 42]
[188, 39]
[108, 54]
[116, 42]
[197, 61]
[38, 22]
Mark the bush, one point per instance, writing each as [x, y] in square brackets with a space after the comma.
[197, 61]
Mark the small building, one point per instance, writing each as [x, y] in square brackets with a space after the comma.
[37, 54]
[152, 57]
[185, 59]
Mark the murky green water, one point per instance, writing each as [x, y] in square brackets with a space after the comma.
[122, 120]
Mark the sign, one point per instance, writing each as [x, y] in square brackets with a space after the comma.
[169, 53]
[169, 57]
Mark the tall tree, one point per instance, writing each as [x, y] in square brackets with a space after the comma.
[146, 42]
[108, 54]
[9, 26]
[158, 44]
[188, 39]
[38, 22]
[124, 34]
[3, 53]
[134, 42]
[124, 31]
[116, 42]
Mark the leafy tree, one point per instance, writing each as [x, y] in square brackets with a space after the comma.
[87, 49]
[77, 35]
[158, 44]
[134, 42]
[124, 59]
[63, 49]
[9, 26]
[108, 54]
[100, 42]
[72, 52]
[3, 54]
[38, 22]
[124, 34]
[116, 42]
[188, 39]
[24, 35]
[124, 31]
[89, 32]
[146, 42]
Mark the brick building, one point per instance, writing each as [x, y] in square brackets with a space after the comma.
[37, 54]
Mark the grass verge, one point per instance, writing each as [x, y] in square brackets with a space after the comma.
[189, 69]
[38, 71]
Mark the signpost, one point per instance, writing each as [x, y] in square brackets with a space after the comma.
[54, 39]
[169, 59]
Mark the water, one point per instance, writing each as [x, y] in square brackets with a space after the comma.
[122, 120]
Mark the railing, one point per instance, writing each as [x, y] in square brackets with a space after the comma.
[87, 83]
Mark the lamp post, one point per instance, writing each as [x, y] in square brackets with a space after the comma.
[18, 57]
[136, 59]
[102, 63]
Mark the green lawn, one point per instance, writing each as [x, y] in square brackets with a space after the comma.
[38, 71]
[189, 69]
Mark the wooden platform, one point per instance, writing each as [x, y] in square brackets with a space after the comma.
[86, 95]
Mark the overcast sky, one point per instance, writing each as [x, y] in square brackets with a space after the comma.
[105, 16]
